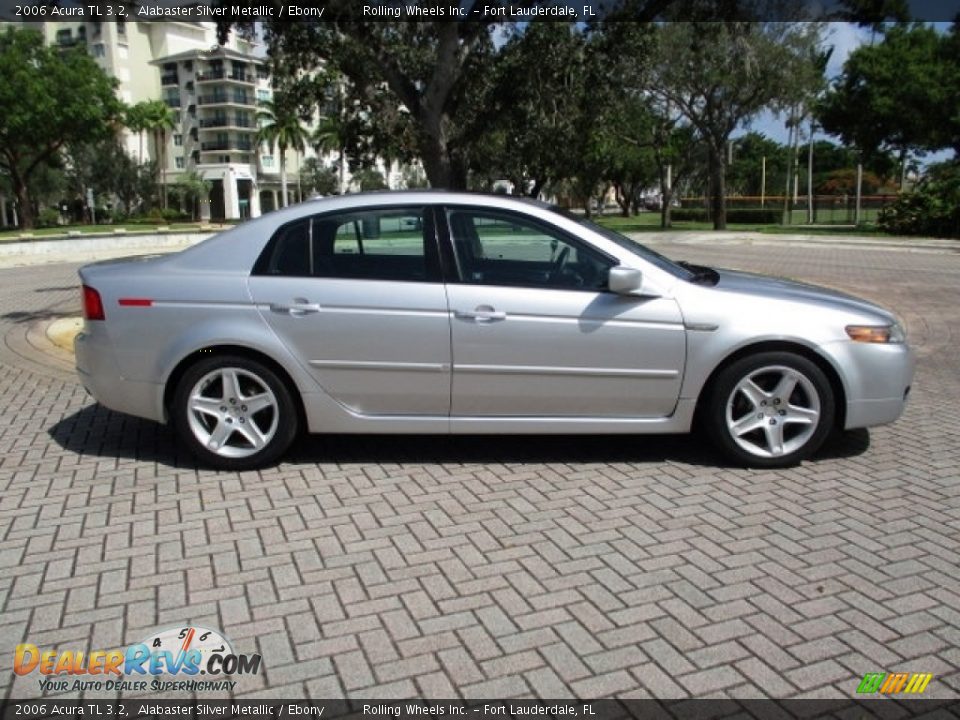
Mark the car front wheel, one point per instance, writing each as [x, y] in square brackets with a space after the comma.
[772, 409]
[234, 413]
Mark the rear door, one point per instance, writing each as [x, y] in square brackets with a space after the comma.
[357, 297]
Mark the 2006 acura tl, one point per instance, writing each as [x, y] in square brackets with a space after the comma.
[431, 312]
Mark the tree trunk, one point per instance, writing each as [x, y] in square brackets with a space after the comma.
[718, 186]
[810, 217]
[903, 168]
[787, 209]
[163, 166]
[623, 200]
[22, 192]
[343, 171]
[283, 176]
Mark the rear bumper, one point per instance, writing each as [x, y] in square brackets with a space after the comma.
[98, 372]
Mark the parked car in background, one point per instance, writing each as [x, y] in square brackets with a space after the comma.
[437, 312]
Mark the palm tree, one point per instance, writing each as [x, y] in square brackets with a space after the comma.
[281, 126]
[135, 118]
[158, 118]
[330, 137]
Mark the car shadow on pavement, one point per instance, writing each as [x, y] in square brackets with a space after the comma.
[98, 432]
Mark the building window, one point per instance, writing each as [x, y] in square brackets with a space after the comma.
[262, 72]
[263, 95]
[178, 140]
[266, 161]
[99, 51]
[225, 159]
[178, 161]
[121, 26]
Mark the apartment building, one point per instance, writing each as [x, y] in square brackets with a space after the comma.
[213, 91]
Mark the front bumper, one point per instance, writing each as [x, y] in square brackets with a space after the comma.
[877, 380]
[98, 372]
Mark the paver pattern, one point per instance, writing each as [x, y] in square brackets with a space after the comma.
[482, 567]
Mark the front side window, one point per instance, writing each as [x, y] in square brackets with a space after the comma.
[500, 248]
[385, 244]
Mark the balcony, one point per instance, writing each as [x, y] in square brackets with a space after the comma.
[173, 102]
[221, 74]
[169, 79]
[220, 145]
[226, 99]
[226, 122]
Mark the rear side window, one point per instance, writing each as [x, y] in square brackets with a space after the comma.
[381, 244]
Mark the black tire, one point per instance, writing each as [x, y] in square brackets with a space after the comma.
[733, 409]
[276, 424]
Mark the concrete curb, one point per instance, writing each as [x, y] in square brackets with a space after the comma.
[97, 243]
[734, 237]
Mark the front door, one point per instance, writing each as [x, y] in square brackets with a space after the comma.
[535, 333]
[357, 297]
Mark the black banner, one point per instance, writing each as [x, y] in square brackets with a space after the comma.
[493, 11]
[275, 709]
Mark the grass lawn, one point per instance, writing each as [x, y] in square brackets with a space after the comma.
[650, 222]
[41, 233]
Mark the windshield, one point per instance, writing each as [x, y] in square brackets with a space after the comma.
[662, 262]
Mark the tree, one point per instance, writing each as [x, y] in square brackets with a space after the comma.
[751, 152]
[189, 189]
[281, 127]
[435, 70]
[719, 75]
[105, 168]
[157, 118]
[49, 98]
[330, 136]
[317, 178]
[895, 94]
[533, 118]
[135, 118]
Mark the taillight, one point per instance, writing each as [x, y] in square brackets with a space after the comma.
[92, 304]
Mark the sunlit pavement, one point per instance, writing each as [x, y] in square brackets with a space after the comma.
[436, 567]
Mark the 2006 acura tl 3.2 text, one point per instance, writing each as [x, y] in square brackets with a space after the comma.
[435, 312]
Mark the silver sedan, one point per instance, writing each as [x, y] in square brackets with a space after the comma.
[434, 312]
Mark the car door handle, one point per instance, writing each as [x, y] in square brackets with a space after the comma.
[482, 313]
[296, 309]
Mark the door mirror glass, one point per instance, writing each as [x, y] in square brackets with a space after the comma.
[625, 280]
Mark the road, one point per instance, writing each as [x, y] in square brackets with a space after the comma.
[477, 567]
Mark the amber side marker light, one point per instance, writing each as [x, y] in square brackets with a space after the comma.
[875, 333]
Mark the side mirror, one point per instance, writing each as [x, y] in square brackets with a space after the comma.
[625, 280]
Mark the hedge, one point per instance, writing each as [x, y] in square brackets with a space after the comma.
[746, 216]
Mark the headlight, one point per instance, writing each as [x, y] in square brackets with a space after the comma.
[877, 333]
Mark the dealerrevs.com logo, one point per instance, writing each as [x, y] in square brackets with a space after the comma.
[192, 659]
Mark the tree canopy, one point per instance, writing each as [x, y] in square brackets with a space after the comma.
[49, 98]
[895, 94]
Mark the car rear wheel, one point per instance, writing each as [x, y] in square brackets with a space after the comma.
[772, 409]
[234, 413]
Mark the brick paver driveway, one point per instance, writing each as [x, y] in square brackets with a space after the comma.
[502, 566]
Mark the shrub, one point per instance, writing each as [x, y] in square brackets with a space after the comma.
[48, 217]
[745, 216]
[933, 208]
